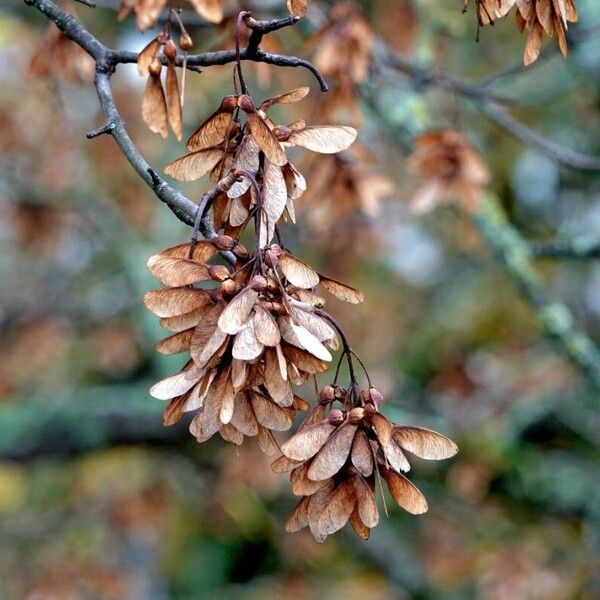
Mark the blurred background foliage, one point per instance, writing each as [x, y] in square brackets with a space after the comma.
[97, 501]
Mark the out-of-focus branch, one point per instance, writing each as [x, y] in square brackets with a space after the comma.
[575, 249]
[556, 152]
[94, 418]
[516, 257]
[489, 103]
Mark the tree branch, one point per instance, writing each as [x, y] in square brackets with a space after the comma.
[515, 256]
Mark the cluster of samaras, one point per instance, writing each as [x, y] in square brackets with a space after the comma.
[335, 458]
[250, 338]
[256, 329]
[537, 16]
[256, 151]
[253, 336]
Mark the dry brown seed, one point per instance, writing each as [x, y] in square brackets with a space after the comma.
[307, 442]
[325, 139]
[177, 272]
[339, 505]
[185, 41]
[245, 344]
[269, 414]
[237, 313]
[279, 389]
[146, 56]
[327, 395]
[361, 454]
[342, 291]
[361, 530]
[170, 302]
[213, 131]
[174, 101]
[299, 518]
[404, 492]
[424, 443]
[178, 342]
[297, 272]
[283, 464]
[315, 508]
[154, 105]
[302, 485]
[194, 165]
[265, 327]
[219, 272]
[365, 500]
[243, 417]
[333, 455]
[336, 417]
[356, 415]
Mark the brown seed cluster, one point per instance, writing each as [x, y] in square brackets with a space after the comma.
[336, 460]
[452, 168]
[251, 337]
[536, 16]
[159, 110]
[255, 328]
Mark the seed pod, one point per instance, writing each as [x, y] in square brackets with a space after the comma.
[240, 250]
[356, 415]
[336, 417]
[228, 288]
[327, 395]
[170, 49]
[155, 67]
[369, 411]
[246, 103]
[185, 41]
[258, 283]
[218, 272]
[375, 397]
[340, 393]
[224, 242]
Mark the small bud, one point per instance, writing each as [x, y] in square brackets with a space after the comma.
[240, 250]
[218, 272]
[229, 103]
[336, 417]
[155, 67]
[228, 288]
[282, 133]
[340, 393]
[258, 283]
[170, 49]
[272, 285]
[246, 103]
[369, 411]
[375, 396]
[224, 242]
[364, 396]
[185, 41]
[356, 415]
[327, 395]
[271, 258]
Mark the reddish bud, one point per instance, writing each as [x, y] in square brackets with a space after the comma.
[185, 41]
[170, 49]
[224, 242]
[228, 287]
[327, 395]
[229, 103]
[375, 397]
[258, 283]
[369, 411]
[336, 417]
[356, 415]
[218, 272]
[283, 133]
[246, 103]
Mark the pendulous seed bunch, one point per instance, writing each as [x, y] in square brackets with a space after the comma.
[254, 325]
